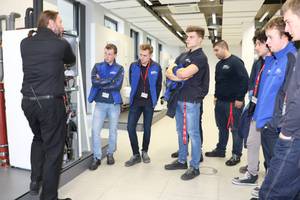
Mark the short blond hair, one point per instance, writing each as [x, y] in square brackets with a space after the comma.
[145, 47]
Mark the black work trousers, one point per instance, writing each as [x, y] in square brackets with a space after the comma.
[47, 120]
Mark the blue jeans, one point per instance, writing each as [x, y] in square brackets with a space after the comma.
[222, 110]
[268, 142]
[133, 118]
[192, 131]
[283, 179]
[103, 110]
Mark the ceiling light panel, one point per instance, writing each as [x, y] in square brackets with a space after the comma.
[135, 12]
[177, 1]
[119, 4]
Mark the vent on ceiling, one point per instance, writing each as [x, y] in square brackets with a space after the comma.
[185, 8]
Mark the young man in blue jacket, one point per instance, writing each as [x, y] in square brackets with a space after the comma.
[282, 180]
[107, 79]
[275, 78]
[145, 78]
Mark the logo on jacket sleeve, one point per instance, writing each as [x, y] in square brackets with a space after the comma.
[153, 72]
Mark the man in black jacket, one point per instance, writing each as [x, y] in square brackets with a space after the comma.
[230, 89]
[44, 56]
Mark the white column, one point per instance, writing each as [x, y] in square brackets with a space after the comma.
[247, 45]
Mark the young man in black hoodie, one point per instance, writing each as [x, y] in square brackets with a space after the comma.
[230, 89]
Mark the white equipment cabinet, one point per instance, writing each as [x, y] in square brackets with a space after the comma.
[18, 131]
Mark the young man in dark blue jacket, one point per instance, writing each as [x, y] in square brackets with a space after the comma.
[145, 78]
[282, 180]
[107, 79]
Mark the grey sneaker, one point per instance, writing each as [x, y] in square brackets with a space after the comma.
[96, 162]
[133, 160]
[243, 169]
[146, 158]
[191, 173]
[176, 165]
[247, 179]
[110, 159]
[255, 191]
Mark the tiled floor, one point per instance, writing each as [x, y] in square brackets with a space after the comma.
[151, 181]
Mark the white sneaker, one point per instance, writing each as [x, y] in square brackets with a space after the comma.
[247, 179]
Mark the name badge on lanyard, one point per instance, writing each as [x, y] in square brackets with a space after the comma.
[144, 94]
[105, 95]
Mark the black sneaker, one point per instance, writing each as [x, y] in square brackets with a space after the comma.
[96, 162]
[201, 158]
[110, 159]
[145, 157]
[254, 198]
[215, 153]
[233, 160]
[175, 154]
[191, 173]
[176, 165]
[133, 160]
[35, 187]
[247, 179]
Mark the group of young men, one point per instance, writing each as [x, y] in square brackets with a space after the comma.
[273, 93]
[273, 87]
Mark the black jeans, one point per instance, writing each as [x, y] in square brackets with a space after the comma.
[47, 121]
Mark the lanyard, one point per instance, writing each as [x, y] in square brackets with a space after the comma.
[230, 119]
[145, 75]
[258, 79]
[184, 123]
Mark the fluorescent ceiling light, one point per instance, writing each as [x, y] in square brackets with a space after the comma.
[215, 32]
[214, 17]
[211, 0]
[178, 33]
[166, 20]
[148, 2]
[264, 16]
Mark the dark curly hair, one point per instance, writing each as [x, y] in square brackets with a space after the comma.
[259, 35]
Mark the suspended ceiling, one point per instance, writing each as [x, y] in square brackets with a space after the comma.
[181, 13]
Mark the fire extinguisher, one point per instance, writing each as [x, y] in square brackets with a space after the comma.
[3, 131]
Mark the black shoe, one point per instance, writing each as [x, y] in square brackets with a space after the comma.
[191, 173]
[176, 165]
[65, 199]
[233, 160]
[215, 153]
[133, 160]
[254, 198]
[110, 159]
[175, 154]
[201, 158]
[35, 187]
[96, 162]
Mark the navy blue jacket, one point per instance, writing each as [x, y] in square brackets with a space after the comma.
[111, 79]
[154, 74]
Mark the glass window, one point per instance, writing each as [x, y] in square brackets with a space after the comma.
[159, 50]
[67, 14]
[148, 40]
[135, 35]
[110, 23]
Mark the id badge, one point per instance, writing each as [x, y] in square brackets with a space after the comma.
[144, 95]
[105, 95]
[254, 99]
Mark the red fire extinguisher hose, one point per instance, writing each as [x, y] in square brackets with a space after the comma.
[3, 131]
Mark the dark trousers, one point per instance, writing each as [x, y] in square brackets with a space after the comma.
[268, 142]
[133, 117]
[48, 124]
[222, 110]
